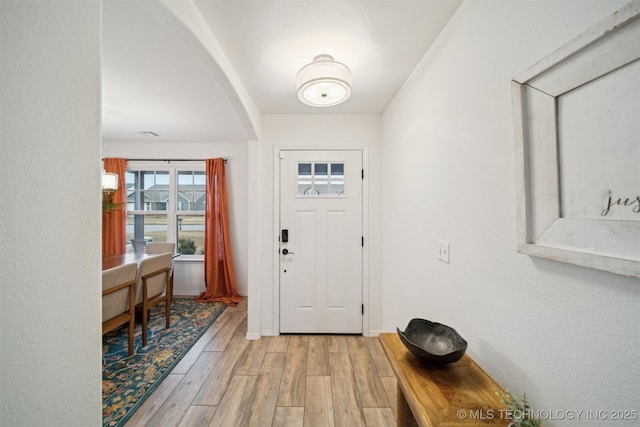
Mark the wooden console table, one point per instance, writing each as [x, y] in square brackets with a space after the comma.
[458, 394]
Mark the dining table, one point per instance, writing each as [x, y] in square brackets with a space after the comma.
[116, 260]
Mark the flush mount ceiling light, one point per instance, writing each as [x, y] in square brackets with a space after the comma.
[324, 82]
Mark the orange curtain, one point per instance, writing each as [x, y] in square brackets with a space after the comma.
[113, 223]
[218, 266]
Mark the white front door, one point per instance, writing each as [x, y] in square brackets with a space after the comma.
[321, 241]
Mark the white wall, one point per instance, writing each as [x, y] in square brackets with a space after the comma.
[50, 339]
[316, 132]
[567, 336]
[189, 275]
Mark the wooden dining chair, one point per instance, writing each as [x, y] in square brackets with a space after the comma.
[153, 287]
[160, 247]
[118, 304]
[139, 245]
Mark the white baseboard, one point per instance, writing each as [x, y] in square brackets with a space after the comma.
[252, 336]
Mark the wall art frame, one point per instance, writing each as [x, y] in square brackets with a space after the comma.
[568, 209]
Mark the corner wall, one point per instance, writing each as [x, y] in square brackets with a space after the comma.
[567, 336]
[50, 338]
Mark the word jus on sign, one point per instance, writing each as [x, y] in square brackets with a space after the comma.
[629, 202]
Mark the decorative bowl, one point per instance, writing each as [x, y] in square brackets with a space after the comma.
[433, 342]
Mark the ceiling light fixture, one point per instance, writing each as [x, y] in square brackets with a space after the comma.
[324, 82]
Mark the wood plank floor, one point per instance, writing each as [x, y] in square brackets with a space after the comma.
[289, 380]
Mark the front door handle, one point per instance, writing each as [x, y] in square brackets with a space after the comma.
[286, 251]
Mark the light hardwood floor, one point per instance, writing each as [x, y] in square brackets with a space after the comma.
[288, 380]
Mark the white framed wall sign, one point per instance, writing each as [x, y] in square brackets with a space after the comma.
[577, 144]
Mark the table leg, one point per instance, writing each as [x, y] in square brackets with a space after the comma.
[402, 409]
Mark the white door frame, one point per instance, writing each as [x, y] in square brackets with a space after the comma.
[276, 229]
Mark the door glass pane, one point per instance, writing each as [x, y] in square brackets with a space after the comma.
[304, 178]
[321, 178]
[304, 169]
[337, 178]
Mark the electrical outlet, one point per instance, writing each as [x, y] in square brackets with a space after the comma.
[443, 251]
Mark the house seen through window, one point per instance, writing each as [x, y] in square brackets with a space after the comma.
[166, 204]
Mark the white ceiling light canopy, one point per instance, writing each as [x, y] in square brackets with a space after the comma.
[324, 82]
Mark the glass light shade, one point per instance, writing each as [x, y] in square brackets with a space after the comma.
[324, 82]
[109, 181]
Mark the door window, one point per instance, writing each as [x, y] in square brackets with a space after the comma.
[321, 179]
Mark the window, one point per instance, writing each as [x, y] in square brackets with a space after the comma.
[320, 179]
[165, 204]
[190, 205]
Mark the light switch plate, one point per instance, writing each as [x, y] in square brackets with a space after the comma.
[443, 251]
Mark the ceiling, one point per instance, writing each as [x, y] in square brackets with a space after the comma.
[155, 81]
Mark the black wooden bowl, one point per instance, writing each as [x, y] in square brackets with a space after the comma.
[433, 342]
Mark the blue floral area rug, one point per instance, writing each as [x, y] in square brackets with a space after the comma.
[128, 381]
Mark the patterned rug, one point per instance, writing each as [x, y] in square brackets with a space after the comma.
[128, 381]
